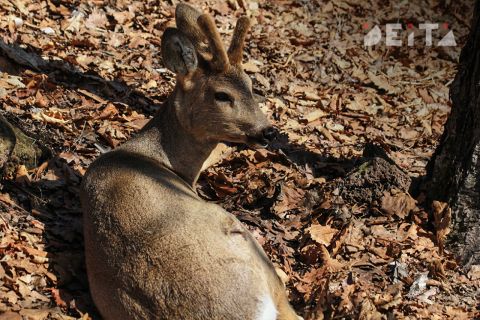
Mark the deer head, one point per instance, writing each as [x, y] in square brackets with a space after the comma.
[213, 98]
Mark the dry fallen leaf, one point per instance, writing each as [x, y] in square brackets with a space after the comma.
[442, 215]
[322, 234]
[22, 176]
[329, 264]
[34, 314]
[382, 82]
[397, 203]
[9, 315]
[288, 199]
[97, 19]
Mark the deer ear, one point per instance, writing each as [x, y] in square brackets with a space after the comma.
[178, 52]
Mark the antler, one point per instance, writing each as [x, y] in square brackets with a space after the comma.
[201, 29]
[220, 58]
[235, 51]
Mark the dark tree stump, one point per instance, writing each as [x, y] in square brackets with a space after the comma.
[18, 148]
[7, 141]
[454, 170]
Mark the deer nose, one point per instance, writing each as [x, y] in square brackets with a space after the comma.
[270, 133]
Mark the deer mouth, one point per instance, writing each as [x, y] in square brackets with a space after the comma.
[264, 138]
[257, 141]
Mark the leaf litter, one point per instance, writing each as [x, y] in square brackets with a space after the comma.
[335, 217]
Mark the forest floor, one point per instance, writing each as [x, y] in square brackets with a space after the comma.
[82, 76]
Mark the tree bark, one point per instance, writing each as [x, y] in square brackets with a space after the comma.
[453, 173]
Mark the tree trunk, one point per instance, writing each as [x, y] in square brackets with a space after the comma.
[453, 173]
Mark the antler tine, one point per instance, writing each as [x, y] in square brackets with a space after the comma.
[186, 18]
[235, 51]
[220, 58]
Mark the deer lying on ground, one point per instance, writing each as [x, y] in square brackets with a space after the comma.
[154, 249]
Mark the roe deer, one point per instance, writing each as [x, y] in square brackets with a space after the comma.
[154, 249]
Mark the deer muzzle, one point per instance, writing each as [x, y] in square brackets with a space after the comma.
[263, 138]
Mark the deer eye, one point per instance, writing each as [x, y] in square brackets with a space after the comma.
[223, 97]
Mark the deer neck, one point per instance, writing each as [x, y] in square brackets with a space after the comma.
[166, 140]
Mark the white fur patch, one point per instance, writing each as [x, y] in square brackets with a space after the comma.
[266, 310]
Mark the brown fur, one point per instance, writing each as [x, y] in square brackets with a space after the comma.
[235, 51]
[154, 249]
